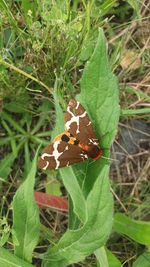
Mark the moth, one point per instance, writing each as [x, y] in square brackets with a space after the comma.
[76, 144]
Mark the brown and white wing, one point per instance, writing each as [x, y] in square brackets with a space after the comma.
[77, 122]
[60, 154]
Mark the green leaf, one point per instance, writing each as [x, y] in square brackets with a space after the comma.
[7, 259]
[4, 231]
[71, 184]
[75, 245]
[101, 257]
[27, 163]
[29, 9]
[44, 115]
[112, 260]
[139, 231]
[87, 49]
[53, 187]
[139, 93]
[88, 46]
[99, 93]
[143, 260]
[6, 9]
[12, 122]
[26, 216]
[17, 106]
[57, 14]
[12, 140]
[6, 164]
[136, 6]
[59, 125]
[5, 140]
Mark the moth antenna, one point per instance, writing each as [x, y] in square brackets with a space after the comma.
[105, 158]
[110, 159]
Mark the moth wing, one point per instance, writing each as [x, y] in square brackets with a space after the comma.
[47, 159]
[78, 123]
[60, 154]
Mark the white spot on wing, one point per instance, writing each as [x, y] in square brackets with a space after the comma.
[89, 123]
[84, 156]
[74, 118]
[77, 105]
[47, 163]
[93, 142]
[56, 154]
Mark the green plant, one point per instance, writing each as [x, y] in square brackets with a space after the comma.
[23, 134]
[90, 219]
[46, 45]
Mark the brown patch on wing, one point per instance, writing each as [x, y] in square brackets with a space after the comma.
[60, 154]
[78, 123]
[73, 154]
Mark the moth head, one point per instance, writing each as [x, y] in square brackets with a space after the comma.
[94, 152]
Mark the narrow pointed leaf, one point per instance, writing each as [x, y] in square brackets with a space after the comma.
[71, 183]
[101, 257]
[59, 124]
[143, 260]
[112, 259]
[137, 230]
[6, 165]
[26, 217]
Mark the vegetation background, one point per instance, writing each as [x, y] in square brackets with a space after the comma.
[44, 46]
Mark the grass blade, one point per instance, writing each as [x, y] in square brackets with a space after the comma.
[139, 231]
[133, 112]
